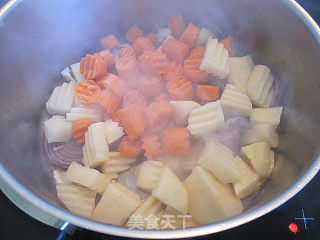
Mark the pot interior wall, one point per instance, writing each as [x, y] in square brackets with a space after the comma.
[39, 38]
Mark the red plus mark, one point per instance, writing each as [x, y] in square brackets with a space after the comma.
[189, 221]
[293, 227]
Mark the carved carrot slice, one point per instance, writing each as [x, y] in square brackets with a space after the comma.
[207, 92]
[174, 71]
[109, 42]
[151, 145]
[175, 50]
[161, 97]
[79, 128]
[141, 44]
[153, 62]
[93, 66]
[133, 120]
[134, 97]
[176, 141]
[116, 117]
[150, 85]
[133, 33]
[158, 112]
[128, 69]
[197, 52]
[180, 89]
[228, 43]
[176, 25]
[116, 84]
[129, 148]
[85, 90]
[153, 38]
[107, 100]
[190, 34]
[191, 69]
[108, 57]
[126, 52]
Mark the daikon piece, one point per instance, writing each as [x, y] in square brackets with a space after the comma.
[163, 34]
[263, 132]
[266, 115]
[149, 174]
[112, 131]
[203, 36]
[182, 110]
[60, 176]
[75, 69]
[76, 113]
[58, 129]
[66, 74]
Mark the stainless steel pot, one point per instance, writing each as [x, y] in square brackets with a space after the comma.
[39, 38]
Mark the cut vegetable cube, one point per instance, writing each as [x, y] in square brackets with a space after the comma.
[190, 35]
[182, 110]
[266, 115]
[87, 177]
[60, 176]
[100, 146]
[210, 200]
[79, 129]
[228, 44]
[170, 191]
[116, 205]
[208, 93]
[66, 74]
[263, 132]
[149, 174]
[77, 113]
[176, 25]
[109, 41]
[75, 72]
[233, 101]
[133, 33]
[158, 112]
[203, 36]
[219, 159]
[151, 145]
[112, 131]
[163, 34]
[176, 141]
[175, 50]
[93, 66]
[142, 44]
[129, 148]
[58, 129]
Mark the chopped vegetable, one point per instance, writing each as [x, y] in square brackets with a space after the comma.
[107, 56]
[109, 42]
[203, 37]
[129, 148]
[176, 25]
[163, 34]
[174, 71]
[134, 97]
[149, 174]
[133, 33]
[176, 141]
[141, 44]
[158, 112]
[128, 51]
[207, 92]
[128, 70]
[153, 38]
[85, 90]
[151, 145]
[180, 89]
[150, 85]
[153, 62]
[190, 35]
[79, 128]
[112, 131]
[161, 97]
[175, 50]
[107, 100]
[93, 66]
[115, 83]
[228, 43]
[58, 129]
[197, 52]
[191, 69]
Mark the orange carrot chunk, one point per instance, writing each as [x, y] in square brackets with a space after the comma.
[190, 34]
[191, 69]
[133, 33]
[176, 25]
[153, 38]
[175, 50]
[150, 85]
[134, 97]
[107, 56]
[160, 97]
[109, 42]
[174, 71]
[151, 145]
[141, 44]
[129, 148]
[207, 92]
[93, 66]
[128, 70]
[176, 141]
[85, 90]
[197, 52]
[158, 112]
[228, 43]
[79, 128]
[133, 120]
[116, 117]
[126, 52]
[180, 89]
[107, 100]
[153, 62]
[116, 84]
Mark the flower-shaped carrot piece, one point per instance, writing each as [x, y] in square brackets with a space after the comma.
[109, 42]
[175, 50]
[190, 34]
[79, 128]
[128, 51]
[116, 117]
[176, 25]
[191, 69]
[153, 38]
[207, 92]
[107, 100]
[134, 97]
[180, 89]
[197, 52]
[176, 141]
[151, 145]
[174, 71]
[116, 84]
[129, 148]
[133, 33]
[133, 120]
[128, 69]
[158, 112]
[150, 85]
[107, 56]
[161, 97]
[141, 44]
[153, 62]
[85, 90]
[93, 66]
[228, 43]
